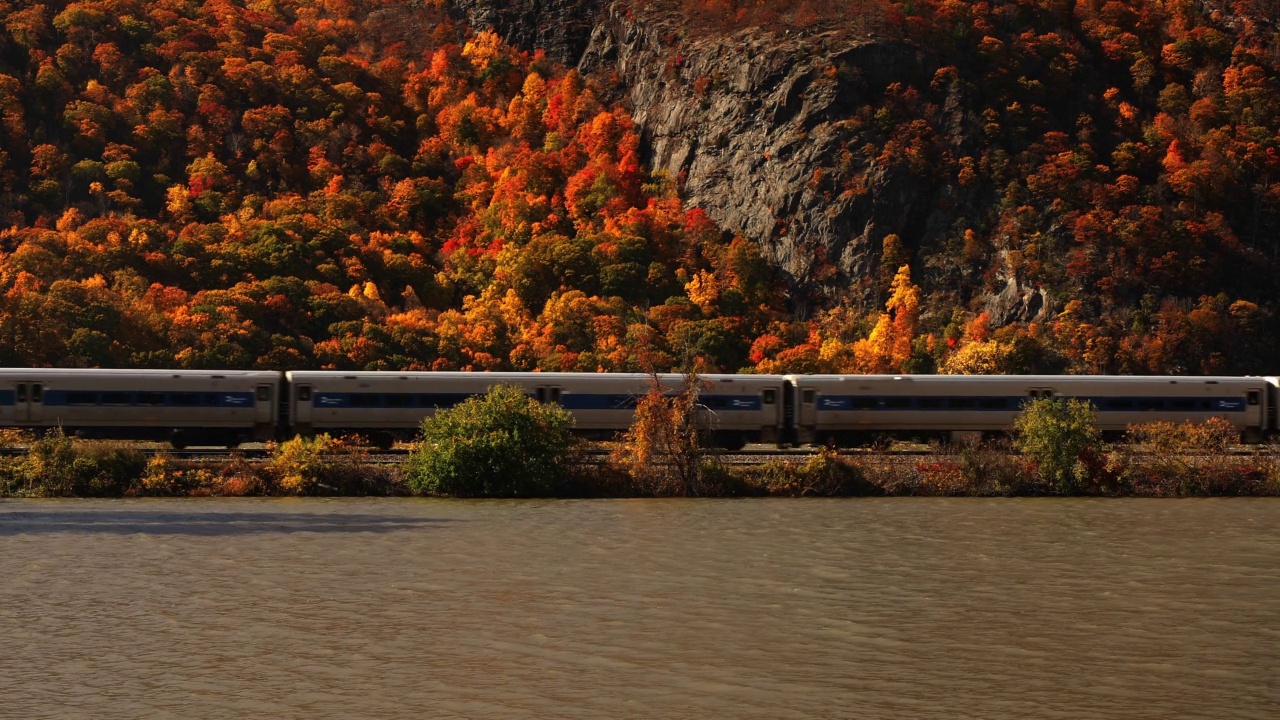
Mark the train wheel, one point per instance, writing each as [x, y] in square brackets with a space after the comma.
[178, 440]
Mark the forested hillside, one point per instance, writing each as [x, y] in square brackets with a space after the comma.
[374, 184]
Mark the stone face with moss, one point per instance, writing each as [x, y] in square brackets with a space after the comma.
[504, 444]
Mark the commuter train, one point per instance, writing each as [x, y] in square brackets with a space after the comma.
[205, 407]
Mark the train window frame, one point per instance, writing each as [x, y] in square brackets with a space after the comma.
[304, 393]
[769, 396]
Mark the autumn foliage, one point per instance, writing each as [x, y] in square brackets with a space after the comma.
[363, 184]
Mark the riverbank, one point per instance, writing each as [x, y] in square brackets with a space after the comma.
[67, 467]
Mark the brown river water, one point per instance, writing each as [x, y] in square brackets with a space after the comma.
[901, 608]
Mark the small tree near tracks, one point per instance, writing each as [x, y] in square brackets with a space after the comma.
[663, 451]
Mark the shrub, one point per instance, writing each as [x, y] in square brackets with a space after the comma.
[504, 444]
[1062, 437]
[320, 465]
[1177, 459]
[56, 466]
[824, 474]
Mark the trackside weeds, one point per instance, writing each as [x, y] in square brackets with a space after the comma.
[322, 466]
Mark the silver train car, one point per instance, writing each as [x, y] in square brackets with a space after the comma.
[184, 407]
[198, 407]
[850, 409]
[389, 405]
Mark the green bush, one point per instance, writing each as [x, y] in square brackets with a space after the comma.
[503, 444]
[56, 466]
[1062, 437]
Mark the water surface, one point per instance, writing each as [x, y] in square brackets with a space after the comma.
[900, 608]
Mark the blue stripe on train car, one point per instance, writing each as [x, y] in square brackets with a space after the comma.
[7, 397]
[147, 398]
[391, 401]
[930, 403]
[591, 401]
[569, 401]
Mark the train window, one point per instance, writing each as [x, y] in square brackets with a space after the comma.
[926, 403]
[864, 403]
[304, 393]
[37, 393]
[22, 392]
[264, 393]
[993, 403]
[1119, 404]
[150, 398]
[399, 400]
[770, 396]
[1184, 404]
[1046, 393]
[1150, 404]
[554, 394]
[363, 400]
[541, 395]
[960, 403]
[186, 399]
[117, 398]
[1254, 397]
[809, 396]
[1033, 394]
[897, 403]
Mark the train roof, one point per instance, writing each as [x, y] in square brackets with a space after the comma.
[336, 374]
[108, 372]
[1037, 379]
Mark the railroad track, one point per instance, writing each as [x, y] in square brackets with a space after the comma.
[748, 456]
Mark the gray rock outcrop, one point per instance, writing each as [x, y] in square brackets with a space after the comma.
[560, 27]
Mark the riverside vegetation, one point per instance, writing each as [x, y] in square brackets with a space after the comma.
[508, 445]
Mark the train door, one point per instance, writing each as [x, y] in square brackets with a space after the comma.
[29, 403]
[1037, 393]
[264, 404]
[547, 394]
[302, 405]
[264, 412]
[806, 413]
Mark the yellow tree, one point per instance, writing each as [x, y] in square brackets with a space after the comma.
[888, 347]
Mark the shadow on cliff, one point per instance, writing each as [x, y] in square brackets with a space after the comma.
[208, 523]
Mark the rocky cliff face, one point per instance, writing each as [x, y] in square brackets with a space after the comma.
[758, 128]
[754, 127]
[561, 27]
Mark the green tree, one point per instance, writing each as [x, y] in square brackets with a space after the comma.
[504, 444]
[1061, 435]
